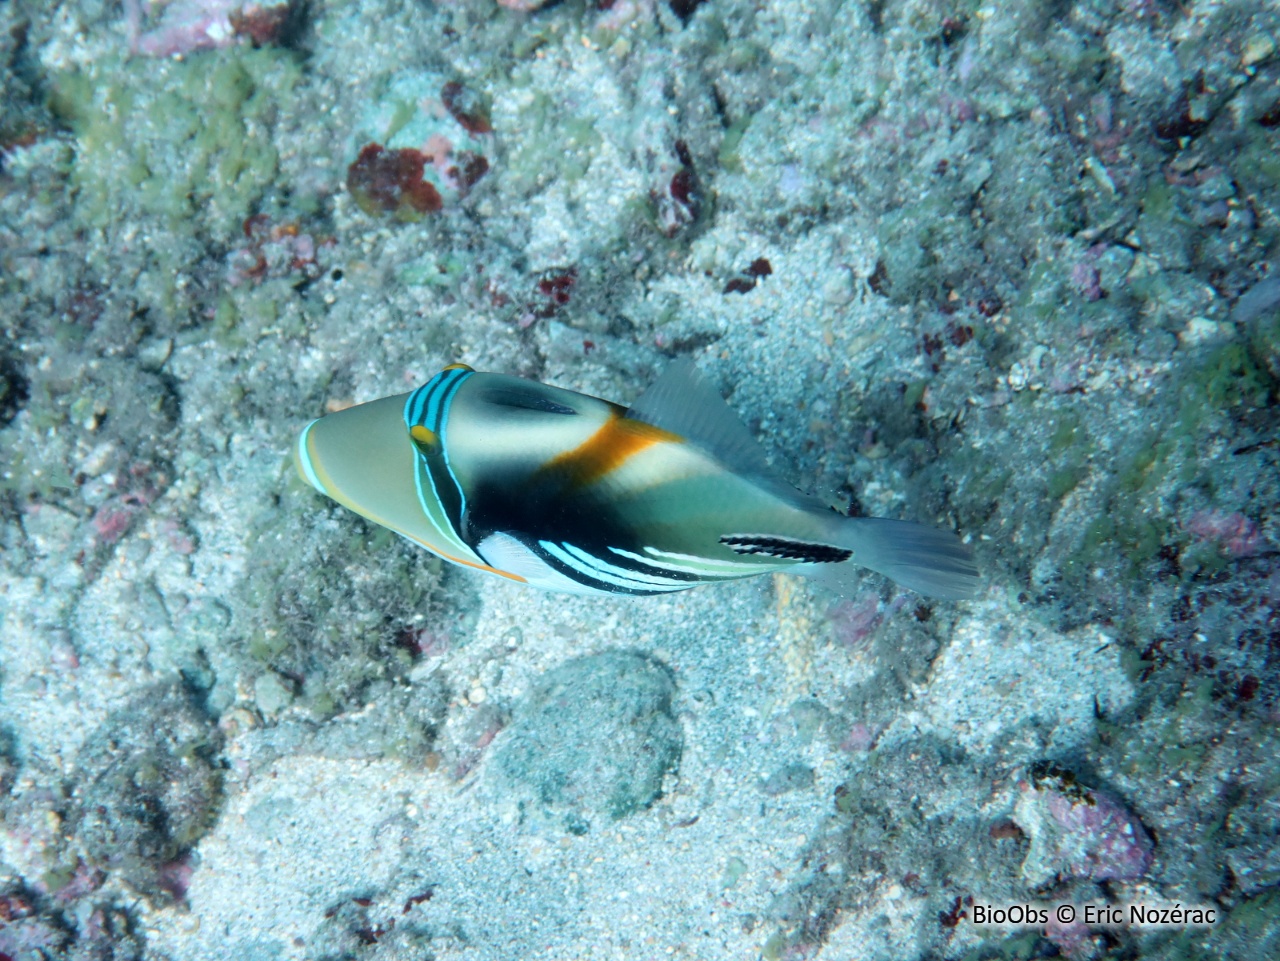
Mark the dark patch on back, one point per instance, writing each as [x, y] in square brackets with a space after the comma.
[785, 547]
[511, 399]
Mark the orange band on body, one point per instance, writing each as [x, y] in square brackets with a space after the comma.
[607, 449]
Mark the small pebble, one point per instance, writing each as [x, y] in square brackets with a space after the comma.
[838, 287]
[793, 777]
[1256, 49]
[271, 694]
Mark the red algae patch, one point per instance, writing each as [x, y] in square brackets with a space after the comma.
[423, 144]
[390, 182]
[467, 107]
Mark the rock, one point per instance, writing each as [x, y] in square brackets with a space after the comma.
[149, 787]
[1077, 832]
[425, 143]
[595, 737]
[792, 777]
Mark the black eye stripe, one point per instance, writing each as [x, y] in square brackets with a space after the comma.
[518, 400]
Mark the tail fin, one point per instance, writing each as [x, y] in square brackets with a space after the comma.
[925, 559]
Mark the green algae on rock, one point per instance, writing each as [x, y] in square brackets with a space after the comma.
[187, 140]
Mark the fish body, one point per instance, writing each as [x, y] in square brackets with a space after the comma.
[569, 492]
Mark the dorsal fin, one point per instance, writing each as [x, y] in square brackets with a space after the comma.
[682, 402]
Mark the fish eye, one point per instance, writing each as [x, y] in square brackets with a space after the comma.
[427, 441]
[520, 400]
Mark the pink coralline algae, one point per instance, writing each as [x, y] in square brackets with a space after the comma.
[183, 26]
[1073, 939]
[678, 204]
[84, 881]
[1235, 534]
[139, 488]
[273, 249]
[860, 738]
[853, 622]
[1085, 276]
[175, 877]
[1077, 832]
[423, 642]
[112, 521]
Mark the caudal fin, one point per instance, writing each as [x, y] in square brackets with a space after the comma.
[928, 560]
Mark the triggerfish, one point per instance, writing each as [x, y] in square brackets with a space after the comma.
[568, 492]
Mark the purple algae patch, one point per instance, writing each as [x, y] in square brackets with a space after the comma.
[1077, 832]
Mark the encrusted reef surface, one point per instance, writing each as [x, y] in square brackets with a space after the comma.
[1008, 268]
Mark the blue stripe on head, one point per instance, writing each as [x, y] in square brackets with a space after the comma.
[414, 403]
[444, 384]
[304, 459]
[426, 406]
[441, 495]
[444, 401]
